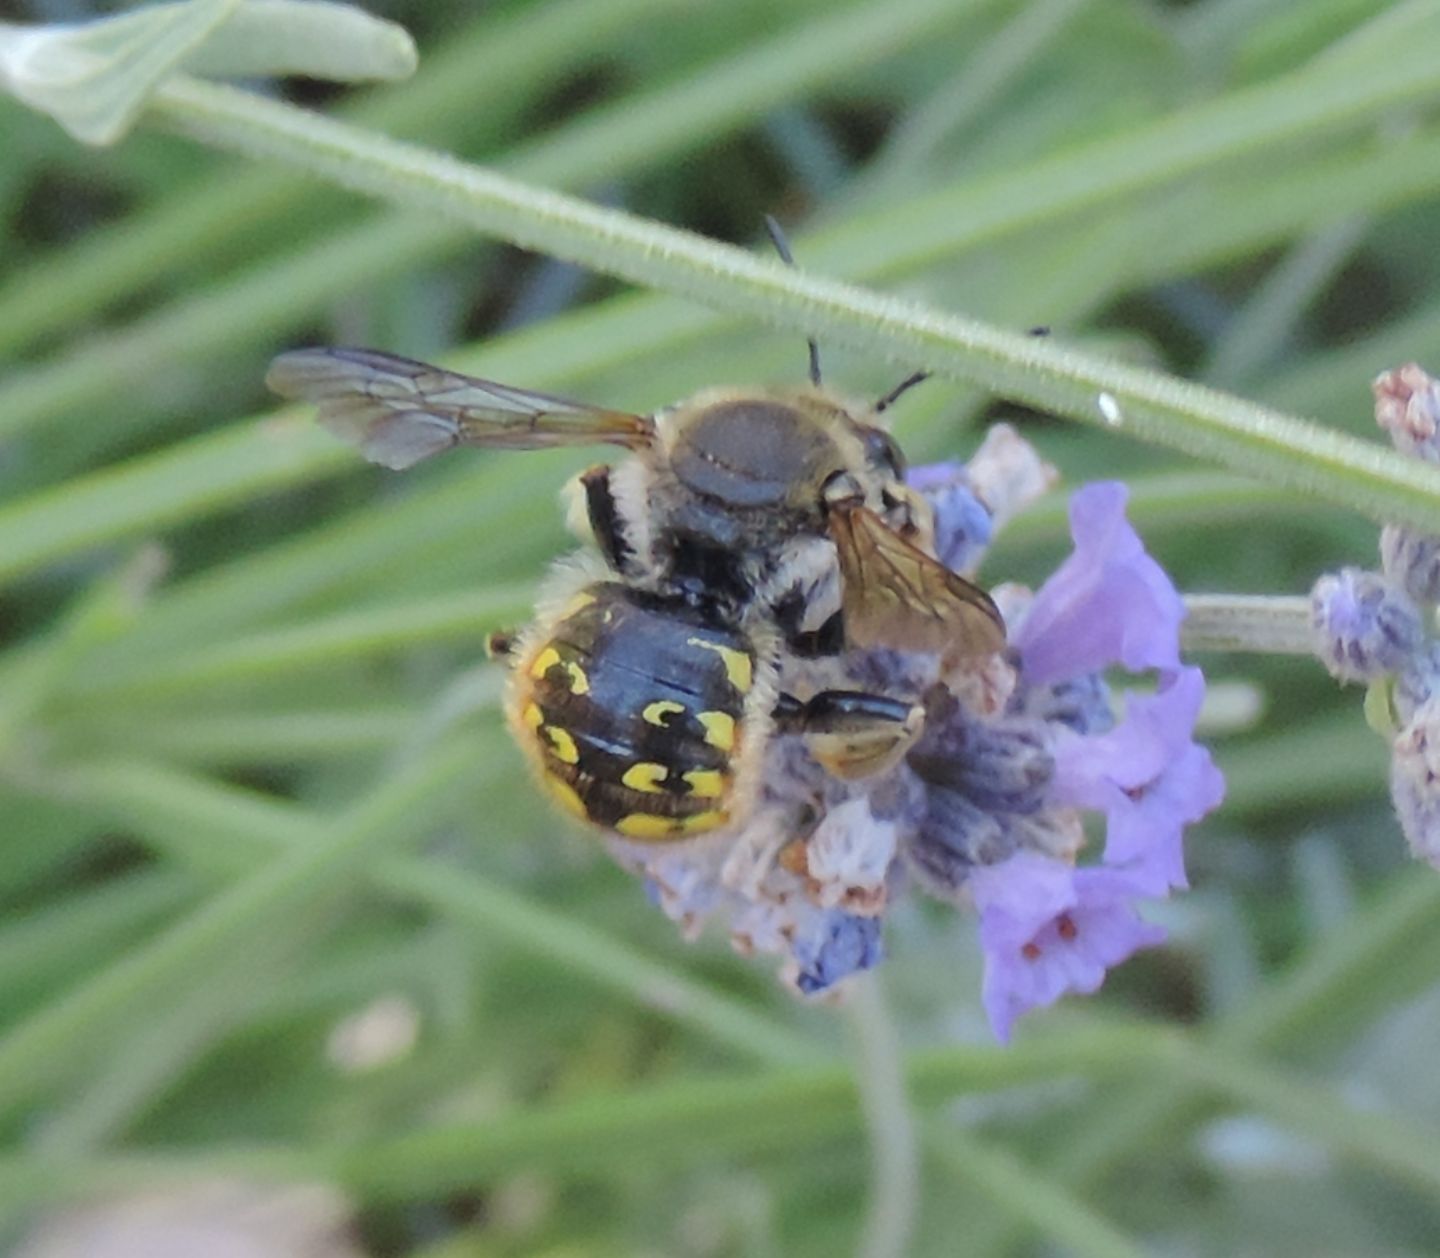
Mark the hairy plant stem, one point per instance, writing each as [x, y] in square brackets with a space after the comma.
[1260, 623]
[1148, 405]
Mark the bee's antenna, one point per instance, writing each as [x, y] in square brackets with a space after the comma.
[904, 386]
[782, 247]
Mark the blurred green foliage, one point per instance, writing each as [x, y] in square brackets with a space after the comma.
[243, 800]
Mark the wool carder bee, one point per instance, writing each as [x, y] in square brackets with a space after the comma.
[748, 531]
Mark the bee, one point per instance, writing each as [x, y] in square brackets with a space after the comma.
[748, 532]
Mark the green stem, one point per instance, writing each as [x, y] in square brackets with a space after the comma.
[1188, 417]
[894, 1151]
[632, 134]
[1265, 624]
[131, 498]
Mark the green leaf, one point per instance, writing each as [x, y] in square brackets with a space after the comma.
[95, 79]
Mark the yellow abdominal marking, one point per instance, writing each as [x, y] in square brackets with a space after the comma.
[566, 796]
[579, 683]
[562, 744]
[709, 783]
[532, 716]
[719, 729]
[644, 825]
[577, 604]
[655, 713]
[737, 663]
[544, 662]
[645, 776]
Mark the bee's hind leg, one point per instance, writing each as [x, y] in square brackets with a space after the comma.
[852, 733]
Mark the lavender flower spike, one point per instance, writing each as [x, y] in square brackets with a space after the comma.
[1047, 929]
[1365, 625]
[1108, 603]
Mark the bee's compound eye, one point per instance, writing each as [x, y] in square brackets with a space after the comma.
[881, 450]
[841, 489]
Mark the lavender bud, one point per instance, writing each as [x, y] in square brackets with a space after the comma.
[1415, 782]
[837, 946]
[1417, 682]
[848, 857]
[963, 527]
[1365, 626]
[1407, 406]
[1003, 765]
[953, 839]
[900, 797]
[1080, 703]
[1007, 474]
[1412, 559]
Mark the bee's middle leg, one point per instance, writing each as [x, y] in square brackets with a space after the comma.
[852, 733]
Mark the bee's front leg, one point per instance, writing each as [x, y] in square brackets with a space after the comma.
[594, 515]
[851, 733]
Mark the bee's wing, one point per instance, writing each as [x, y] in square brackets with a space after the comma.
[399, 411]
[895, 595]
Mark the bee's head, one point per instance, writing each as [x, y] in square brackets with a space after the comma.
[775, 452]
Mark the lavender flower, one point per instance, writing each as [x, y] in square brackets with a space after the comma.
[987, 805]
[1047, 929]
[1108, 603]
[1369, 629]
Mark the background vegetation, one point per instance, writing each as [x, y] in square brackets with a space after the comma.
[252, 780]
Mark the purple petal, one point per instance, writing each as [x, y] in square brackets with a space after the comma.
[1047, 929]
[1147, 776]
[1017, 896]
[964, 525]
[932, 476]
[1108, 603]
[832, 946]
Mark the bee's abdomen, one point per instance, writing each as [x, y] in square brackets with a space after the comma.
[633, 707]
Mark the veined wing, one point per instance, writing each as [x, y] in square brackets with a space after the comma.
[399, 411]
[895, 595]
